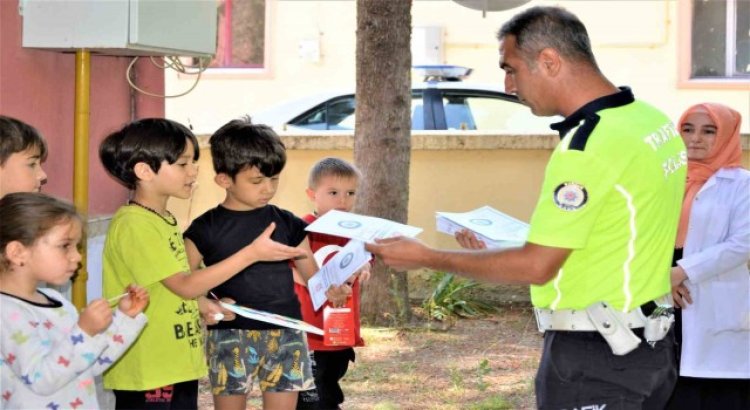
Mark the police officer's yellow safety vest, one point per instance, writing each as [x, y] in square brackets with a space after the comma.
[612, 193]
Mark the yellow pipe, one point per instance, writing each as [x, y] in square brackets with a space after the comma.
[81, 163]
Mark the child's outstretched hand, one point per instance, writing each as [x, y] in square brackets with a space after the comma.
[337, 295]
[96, 317]
[266, 249]
[135, 302]
[364, 273]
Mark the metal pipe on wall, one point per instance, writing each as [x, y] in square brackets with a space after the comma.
[81, 163]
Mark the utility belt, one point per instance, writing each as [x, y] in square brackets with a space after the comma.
[655, 317]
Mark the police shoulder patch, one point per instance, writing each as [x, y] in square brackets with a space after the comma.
[570, 196]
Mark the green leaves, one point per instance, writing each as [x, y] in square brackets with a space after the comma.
[451, 298]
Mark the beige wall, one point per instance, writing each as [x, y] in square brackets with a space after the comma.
[439, 181]
[448, 173]
[636, 43]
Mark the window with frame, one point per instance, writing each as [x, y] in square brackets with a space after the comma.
[720, 39]
[241, 34]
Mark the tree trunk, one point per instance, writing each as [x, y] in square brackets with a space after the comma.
[382, 140]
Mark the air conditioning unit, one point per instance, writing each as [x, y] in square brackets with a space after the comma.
[122, 27]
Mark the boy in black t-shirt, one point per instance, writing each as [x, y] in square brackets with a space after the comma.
[248, 159]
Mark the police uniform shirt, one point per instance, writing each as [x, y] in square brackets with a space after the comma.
[612, 193]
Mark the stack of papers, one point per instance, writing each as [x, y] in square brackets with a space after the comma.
[361, 227]
[341, 267]
[352, 257]
[494, 228]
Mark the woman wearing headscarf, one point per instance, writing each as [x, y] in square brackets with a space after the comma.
[710, 279]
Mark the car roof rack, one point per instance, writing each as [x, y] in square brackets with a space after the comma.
[441, 72]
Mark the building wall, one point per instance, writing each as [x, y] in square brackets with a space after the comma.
[636, 44]
[450, 180]
[38, 86]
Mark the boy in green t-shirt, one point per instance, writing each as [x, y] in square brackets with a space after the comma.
[156, 158]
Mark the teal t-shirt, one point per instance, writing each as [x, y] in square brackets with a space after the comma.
[612, 193]
[142, 248]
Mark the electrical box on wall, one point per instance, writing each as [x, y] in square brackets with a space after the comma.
[122, 27]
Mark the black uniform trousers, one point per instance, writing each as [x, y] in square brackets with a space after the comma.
[579, 371]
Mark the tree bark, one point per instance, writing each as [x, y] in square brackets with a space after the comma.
[382, 140]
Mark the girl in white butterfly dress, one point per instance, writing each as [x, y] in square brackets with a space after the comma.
[50, 353]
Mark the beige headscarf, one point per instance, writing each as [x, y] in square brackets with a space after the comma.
[725, 153]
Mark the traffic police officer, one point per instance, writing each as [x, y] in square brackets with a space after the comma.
[601, 236]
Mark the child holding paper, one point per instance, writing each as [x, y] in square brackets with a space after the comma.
[248, 159]
[51, 353]
[156, 158]
[332, 185]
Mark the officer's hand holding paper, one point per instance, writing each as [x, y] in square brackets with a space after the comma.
[469, 240]
[494, 228]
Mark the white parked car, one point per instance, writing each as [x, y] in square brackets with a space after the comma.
[441, 102]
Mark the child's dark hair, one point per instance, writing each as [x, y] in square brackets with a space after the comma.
[331, 166]
[240, 144]
[151, 141]
[27, 216]
[17, 136]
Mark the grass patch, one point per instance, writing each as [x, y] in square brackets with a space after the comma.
[492, 403]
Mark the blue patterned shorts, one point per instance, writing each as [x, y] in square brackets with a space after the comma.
[277, 358]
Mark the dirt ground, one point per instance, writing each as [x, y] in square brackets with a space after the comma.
[486, 363]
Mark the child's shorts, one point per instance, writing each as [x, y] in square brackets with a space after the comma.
[277, 358]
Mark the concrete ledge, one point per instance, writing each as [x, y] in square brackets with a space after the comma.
[98, 226]
[430, 141]
[426, 141]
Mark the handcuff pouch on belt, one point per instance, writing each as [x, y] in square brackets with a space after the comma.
[658, 324]
[608, 323]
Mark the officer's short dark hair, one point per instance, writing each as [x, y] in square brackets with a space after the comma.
[151, 141]
[549, 27]
[240, 144]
